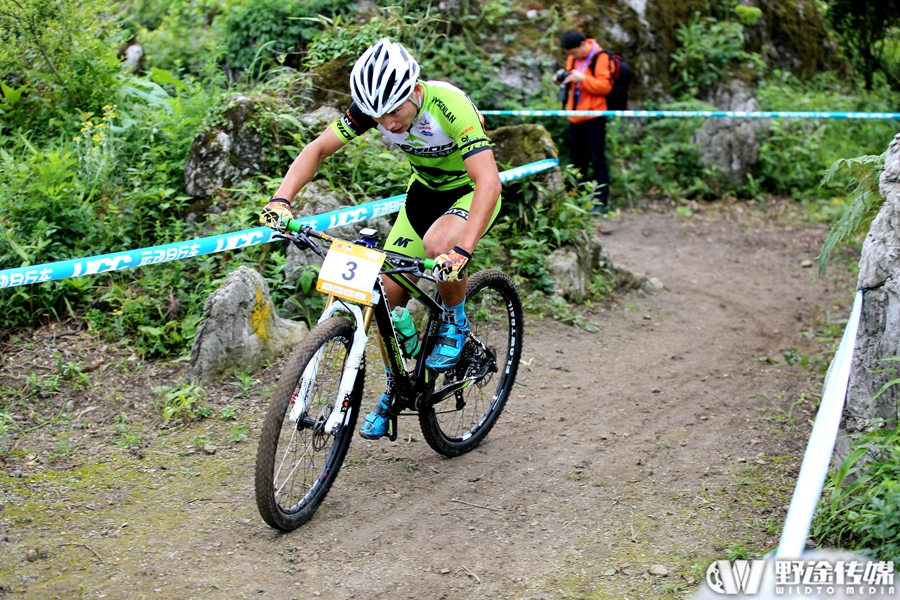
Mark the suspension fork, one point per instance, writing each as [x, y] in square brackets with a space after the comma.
[340, 414]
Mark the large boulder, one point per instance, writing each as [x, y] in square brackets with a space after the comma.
[321, 118]
[878, 337]
[521, 78]
[730, 144]
[569, 278]
[240, 329]
[792, 36]
[222, 154]
[132, 57]
[330, 83]
[518, 145]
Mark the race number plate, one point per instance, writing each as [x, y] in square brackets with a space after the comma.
[349, 271]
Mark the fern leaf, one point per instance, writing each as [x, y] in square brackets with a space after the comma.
[861, 175]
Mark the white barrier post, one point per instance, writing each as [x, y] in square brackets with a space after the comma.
[817, 457]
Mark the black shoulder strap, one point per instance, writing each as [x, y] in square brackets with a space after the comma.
[593, 64]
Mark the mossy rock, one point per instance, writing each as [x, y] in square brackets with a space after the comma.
[518, 145]
[798, 37]
[791, 35]
[331, 83]
[242, 138]
[229, 147]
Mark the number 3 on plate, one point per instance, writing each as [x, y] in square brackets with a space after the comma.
[351, 267]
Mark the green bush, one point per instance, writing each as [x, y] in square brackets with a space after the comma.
[889, 50]
[658, 158]
[477, 73]
[708, 50]
[60, 56]
[795, 154]
[257, 32]
[182, 402]
[347, 40]
[154, 310]
[73, 198]
[864, 514]
[182, 36]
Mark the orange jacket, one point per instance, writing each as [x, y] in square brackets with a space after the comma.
[594, 88]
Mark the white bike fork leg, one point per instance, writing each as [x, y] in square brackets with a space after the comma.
[304, 391]
[342, 410]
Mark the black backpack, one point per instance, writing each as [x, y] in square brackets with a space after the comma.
[620, 73]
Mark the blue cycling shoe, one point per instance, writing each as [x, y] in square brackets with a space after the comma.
[376, 424]
[446, 353]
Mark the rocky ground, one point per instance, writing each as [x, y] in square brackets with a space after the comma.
[627, 459]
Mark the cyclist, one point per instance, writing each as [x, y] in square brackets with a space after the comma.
[453, 194]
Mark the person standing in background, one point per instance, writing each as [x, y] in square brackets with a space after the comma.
[587, 76]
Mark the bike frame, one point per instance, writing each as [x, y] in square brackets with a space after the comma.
[411, 390]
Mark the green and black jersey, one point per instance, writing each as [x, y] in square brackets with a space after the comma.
[447, 130]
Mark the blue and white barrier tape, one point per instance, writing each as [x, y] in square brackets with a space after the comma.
[817, 457]
[705, 114]
[130, 259]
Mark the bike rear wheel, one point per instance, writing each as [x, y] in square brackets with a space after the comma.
[459, 422]
[297, 462]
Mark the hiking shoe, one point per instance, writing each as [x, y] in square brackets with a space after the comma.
[446, 353]
[600, 208]
[376, 424]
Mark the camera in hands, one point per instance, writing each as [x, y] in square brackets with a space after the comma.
[563, 94]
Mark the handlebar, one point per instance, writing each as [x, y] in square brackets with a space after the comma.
[295, 226]
[423, 265]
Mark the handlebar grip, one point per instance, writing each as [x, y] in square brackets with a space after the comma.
[293, 225]
[428, 264]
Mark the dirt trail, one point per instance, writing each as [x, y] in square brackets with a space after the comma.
[664, 440]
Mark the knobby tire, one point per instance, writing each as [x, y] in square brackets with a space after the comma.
[460, 422]
[297, 463]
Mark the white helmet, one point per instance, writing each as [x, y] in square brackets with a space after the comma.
[383, 78]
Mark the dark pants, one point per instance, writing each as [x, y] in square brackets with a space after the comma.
[587, 146]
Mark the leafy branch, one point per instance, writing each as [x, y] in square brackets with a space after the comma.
[32, 24]
[862, 175]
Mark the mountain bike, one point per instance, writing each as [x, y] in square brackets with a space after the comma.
[313, 412]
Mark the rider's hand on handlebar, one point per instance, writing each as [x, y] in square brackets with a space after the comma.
[276, 214]
[450, 266]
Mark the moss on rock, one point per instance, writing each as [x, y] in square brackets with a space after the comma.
[331, 83]
[518, 145]
[799, 38]
[791, 35]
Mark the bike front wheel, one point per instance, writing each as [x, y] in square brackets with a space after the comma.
[298, 461]
[457, 423]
